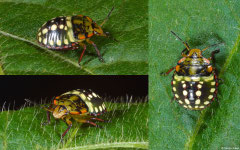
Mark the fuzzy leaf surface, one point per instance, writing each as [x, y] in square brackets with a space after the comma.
[127, 129]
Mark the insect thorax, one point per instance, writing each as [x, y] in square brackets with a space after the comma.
[193, 67]
[72, 102]
[82, 27]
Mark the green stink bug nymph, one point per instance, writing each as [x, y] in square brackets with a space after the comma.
[195, 81]
[70, 32]
[80, 105]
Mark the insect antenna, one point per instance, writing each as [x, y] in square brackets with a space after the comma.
[185, 43]
[107, 17]
[43, 107]
[212, 46]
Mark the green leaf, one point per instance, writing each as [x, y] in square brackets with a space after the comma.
[200, 23]
[127, 129]
[1, 71]
[21, 19]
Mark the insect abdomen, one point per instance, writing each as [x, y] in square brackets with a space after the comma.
[194, 93]
[57, 34]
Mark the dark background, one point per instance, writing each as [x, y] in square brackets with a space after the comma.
[38, 88]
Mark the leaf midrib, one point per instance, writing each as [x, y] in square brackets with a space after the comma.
[48, 51]
[139, 145]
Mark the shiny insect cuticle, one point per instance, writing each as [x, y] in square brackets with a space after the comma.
[80, 105]
[69, 33]
[194, 81]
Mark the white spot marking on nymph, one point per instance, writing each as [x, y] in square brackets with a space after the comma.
[45, 41]
[51, 42]
[53, 27]
[213, 83]
[198, 93]
[206, 102]
[174, 89]
[95, 95]
[61, 26]
[197, 101]
[185, 92]
[66, 41]
[212, 90]
[39, 39]
[89, 95]
[199, 86]
[100, 108]
[184, 85]
[59, 42]
[210, 96]
[96, 109]
[176, 95]
[187, 79]
[44, 31]
[187, 101]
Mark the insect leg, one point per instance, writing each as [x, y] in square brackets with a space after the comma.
[48, 117]
[66, 131]
[213, 59]
[98, 119]
[92, 123]
[98, 52]
[84, 48]
[87, 121]
[69, 123]
[165, 74]
[49, 109]
[213, 54]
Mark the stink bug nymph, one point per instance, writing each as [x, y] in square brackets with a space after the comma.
[195, 81]
[80, 105]
[68, 33]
